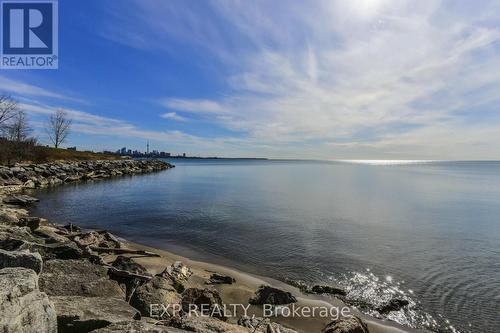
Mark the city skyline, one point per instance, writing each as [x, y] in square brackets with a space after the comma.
[370, 79]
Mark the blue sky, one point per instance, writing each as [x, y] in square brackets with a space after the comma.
[366, 79]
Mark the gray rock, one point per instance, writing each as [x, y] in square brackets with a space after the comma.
[77, 314]
[20, 200]
[8, 217]
[177, 272]
[395, 304]
[31, 222]
[128, 264]
[159, 290]
[13, 238]
[270, 295]
[328, 290]
[220, 279]
[205, 300]
[264, 325]
[23, 308]
[350, 324]
[206, 325]
[21, 259]
[65, 250]
[77, 278]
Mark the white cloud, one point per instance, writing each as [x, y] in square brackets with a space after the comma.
[173, 116]
[23, 89]
[193, 105]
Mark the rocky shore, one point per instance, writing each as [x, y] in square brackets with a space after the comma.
[60, 278]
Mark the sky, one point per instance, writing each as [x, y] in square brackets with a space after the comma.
[364, 79]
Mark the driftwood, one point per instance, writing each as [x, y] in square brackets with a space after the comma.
[123, 251]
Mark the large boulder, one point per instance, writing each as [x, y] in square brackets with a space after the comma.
[78, 278]
[270, 295]
[21, 259]
[206, 301]
[77, 314]
[158, 290]
[23, 308]
[350, 324]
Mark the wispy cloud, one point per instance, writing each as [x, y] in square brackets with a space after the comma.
[23, 89]
[173, 116]
[346, 79]
[193, 105]
[88, 123]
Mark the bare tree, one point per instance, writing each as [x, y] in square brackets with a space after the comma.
[18, 129]
[8, 109]
[58, 127]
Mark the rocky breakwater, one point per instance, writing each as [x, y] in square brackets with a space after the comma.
[59, 278]
[56, 173]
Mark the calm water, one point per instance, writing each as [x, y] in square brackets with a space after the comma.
[429, 233]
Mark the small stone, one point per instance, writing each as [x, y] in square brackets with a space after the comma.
[270, 295]
[221, 279]
[393, 305]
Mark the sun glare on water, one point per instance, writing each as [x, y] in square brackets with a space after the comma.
[387, 162]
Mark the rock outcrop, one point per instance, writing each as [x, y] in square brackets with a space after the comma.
[23, 308]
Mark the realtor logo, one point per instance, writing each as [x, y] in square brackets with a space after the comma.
[29, 35]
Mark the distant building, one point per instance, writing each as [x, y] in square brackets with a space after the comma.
[71, 148]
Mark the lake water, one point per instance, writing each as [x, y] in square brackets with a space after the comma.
[426, 232]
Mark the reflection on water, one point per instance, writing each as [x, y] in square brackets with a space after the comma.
[432, 227]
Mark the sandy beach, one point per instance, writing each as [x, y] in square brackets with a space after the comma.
[245, 286]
